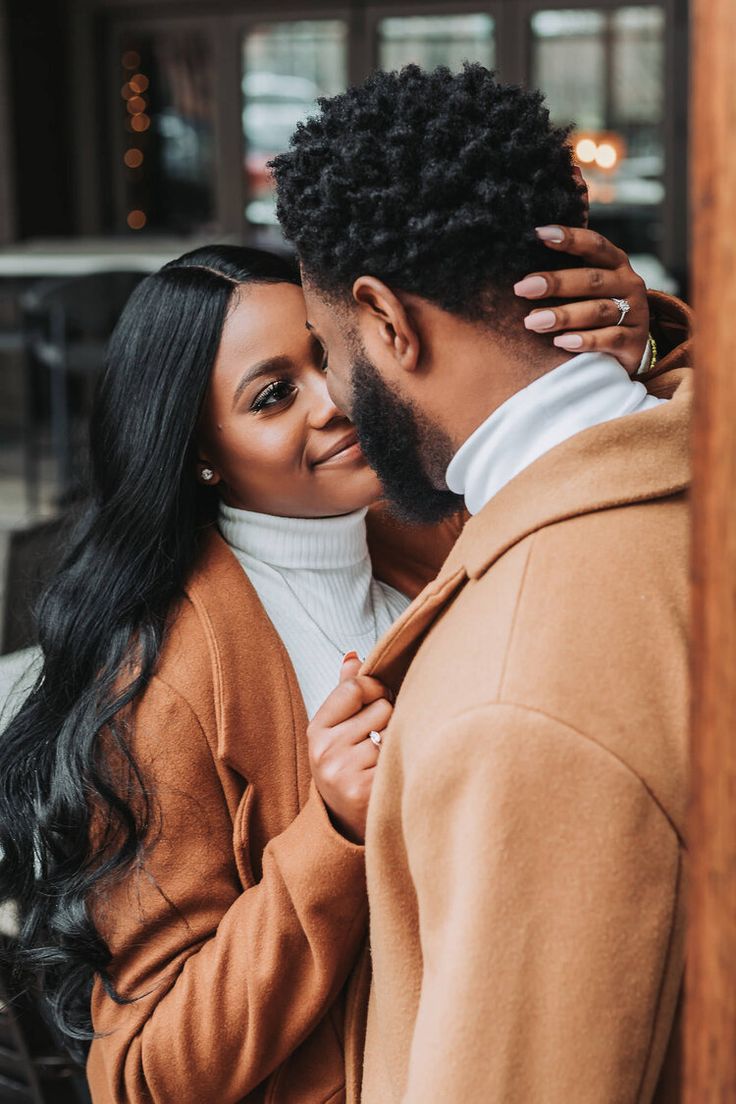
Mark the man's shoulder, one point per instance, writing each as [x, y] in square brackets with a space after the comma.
[599, 552]
[584, 622]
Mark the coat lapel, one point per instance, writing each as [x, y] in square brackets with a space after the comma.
[260, 714]
[390, 659]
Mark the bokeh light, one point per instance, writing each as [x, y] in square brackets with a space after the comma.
[606, 156]
[586, 150]
[139, 83]
[136, 220]
[133, 158]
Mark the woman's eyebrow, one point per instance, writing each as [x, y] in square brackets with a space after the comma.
[263, 368]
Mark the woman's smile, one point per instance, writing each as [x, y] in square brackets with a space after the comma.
[346, 450]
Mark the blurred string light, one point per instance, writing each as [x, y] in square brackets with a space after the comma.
[138, 83]
[136, 121]
[136, 219]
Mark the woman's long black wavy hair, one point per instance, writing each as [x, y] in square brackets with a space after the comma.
[101, 625]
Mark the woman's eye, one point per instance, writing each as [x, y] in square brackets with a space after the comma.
[276, 392]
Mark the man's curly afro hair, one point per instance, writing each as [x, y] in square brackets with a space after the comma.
[431, 181]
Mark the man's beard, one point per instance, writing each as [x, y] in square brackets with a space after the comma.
[401, 446]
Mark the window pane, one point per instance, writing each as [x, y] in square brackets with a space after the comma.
[286, 66]
[638, 65]
[603, 71]
[430, 41]
[569, 65]
[167, 111]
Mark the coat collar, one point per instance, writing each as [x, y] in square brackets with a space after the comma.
[638, 458]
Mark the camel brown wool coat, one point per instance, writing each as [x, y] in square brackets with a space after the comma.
[243, 924]
[525, 849]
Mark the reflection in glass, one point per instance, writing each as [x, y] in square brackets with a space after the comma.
[167, 109]
[435, 40]
[286, 66]
[604, 72]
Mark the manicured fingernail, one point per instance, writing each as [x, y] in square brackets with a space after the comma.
[531, 287]
[540, 320]
[350, 655]
[568, 341]
[550, 234]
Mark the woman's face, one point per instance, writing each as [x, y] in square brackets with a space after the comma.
[269, 431]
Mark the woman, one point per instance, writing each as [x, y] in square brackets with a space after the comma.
[160, 829]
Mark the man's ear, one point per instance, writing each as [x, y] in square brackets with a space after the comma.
[384, 319]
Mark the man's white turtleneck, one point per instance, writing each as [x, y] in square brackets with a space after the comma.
[583, 392]
[315, 580]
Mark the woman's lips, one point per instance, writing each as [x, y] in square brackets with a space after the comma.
[344, 451]
[348, 454]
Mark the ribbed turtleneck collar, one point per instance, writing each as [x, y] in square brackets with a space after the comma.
[315, 543]
[583, 392]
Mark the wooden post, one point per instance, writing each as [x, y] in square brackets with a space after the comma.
[710, 1017]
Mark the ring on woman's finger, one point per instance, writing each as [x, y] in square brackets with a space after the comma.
[376, 738]
[624, 306]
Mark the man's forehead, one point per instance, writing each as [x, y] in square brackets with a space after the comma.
[319, 315]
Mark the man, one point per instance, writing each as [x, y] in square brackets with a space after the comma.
[525, 837]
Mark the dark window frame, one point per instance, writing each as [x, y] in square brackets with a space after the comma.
[227, 20]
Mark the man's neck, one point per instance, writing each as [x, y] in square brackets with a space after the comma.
[487, 373]
[585, 391]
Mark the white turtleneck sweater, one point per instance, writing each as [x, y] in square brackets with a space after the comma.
[315, 580]
[585, 391]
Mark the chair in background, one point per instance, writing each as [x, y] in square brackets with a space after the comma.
[29, 556]
[67, 324]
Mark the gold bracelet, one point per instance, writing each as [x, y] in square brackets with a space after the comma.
[653, 353]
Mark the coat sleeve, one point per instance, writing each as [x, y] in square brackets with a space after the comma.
[546, 878]
[228, 981]
[671, 323]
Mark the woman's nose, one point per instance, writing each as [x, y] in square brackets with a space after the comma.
[323, 410]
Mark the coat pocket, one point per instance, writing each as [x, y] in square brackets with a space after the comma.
[241, 839]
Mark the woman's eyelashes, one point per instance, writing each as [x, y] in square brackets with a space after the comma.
[278, 391]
